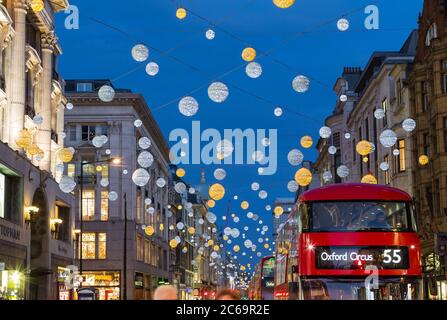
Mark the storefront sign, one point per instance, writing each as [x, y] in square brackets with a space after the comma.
[346, 258]
[8, 232]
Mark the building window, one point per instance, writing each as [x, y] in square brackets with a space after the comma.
[437, 198]
[445, 133]
[432, 33]
[84, 87]
[104, 205]
[104, 130]
[89, 246]
[385, 110]
[444, 76]
[425, 96]
[140, 248]
[63, 213]
[426, 141]
[336, 140]
[88, 132]
[138, 206]
[399, 91]
[10, 196]
[387, 172]
[71, 170]
[88, 205]
[400, 165]
[354, 152]
[72, 132]
[102, 246]
[147, 251]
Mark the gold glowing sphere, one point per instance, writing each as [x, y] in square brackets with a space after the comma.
[363, 148]
[33, 149]
[65, 155]
[365, 159]
[249, 54]
[266, 246]
[211, 203]
[236, 248]
[180, 13]
[278, 210]
[98, 168]
[37, 5]
[423, 160]
[191, 230]
[180, 172]
[303, 177]
[24, 139]
[149, 230]
[283, 4]
[216, 191]
[242, 268]
[369, 178]
[216, 248]
[173, 243]
[306, 142]
[161, 227]
[245, 205]
[225, 237]
[210, 242]
[233, 215]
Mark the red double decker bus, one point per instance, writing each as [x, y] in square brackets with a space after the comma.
[349, 242]
[262, 283]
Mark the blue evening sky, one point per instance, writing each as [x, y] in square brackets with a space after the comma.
[303, 39]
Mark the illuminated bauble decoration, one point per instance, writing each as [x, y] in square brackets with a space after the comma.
[250, 215]
[191, 230]
[37, 5]
[152, 68]
[343, 171]
[185, 250]
[278, 111]
[24, 139]
[211, 217]
[173, 244]
[161, 182]
[369, 178]
[363, 148]
[113, 196]
[211, 203]
[216, 191]
[343, 24]
[140, 177]
[301, 84]
[224, 148]
[306, 142]
[214, 254]
[104, 182]
[379, 113]
[180, 187]
[248, 243]
[218, 92]
[144, 143]
[253, 70]
[180, 225]
[249, 54]
[67, 184]
[236, 248]
[343, 98]
[148, 201]
[235, 232]
[365, 159]
[108, 152]
[188, 106]
[33, 149]
[423, 160]
[295, 157]
[38, 119]
[99, 141]
[332, 150]
[409, 125]
[283, 4]
[149, 230]
[220, 174]
[145, 159]
[292, 186]
[388, 138]
[245, 205]
[347, 136]
[216, 248]
[138, 123]
[106, 93]
[180, 172]
[69, 106]
[180, 13]
[384, 166]
[262, 194]
[268, 207]
[65, 155]
[303, 177]
[278, 211]
[325, 132]
[396, 152]
[327, 176]
[140, 52]
[255, 186]
[210, 34]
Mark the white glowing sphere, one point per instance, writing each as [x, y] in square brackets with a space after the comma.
[140, 52]
[188, 106]
[218, 92]
[295, 157]
[152, 69]
[106, 93]
[343, 171]
[253, 70]
[140, 177]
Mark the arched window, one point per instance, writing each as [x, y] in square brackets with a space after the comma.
[432, 33]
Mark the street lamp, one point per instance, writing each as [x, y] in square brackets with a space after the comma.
[115, 161]
[30, 214]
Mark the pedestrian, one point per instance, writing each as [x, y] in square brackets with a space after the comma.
[166, 292]
[227, 294]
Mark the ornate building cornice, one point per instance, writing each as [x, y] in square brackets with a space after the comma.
[33, 63]
[48, 41]
[6, 30]
[21, 4]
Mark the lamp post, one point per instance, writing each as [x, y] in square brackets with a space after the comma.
[81, 225]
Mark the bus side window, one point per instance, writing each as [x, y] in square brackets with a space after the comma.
[303, 217]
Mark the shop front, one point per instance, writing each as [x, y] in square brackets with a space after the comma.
[106, 282]
[435, 279]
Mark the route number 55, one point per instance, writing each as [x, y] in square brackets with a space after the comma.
[392, 256]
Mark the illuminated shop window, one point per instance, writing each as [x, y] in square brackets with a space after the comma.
[104, 205]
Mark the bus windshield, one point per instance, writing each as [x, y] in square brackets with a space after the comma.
[268, 268]
[360, 216]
